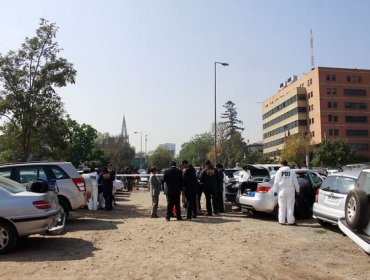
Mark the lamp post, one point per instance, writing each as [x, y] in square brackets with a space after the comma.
[141, 147]
[215, 140]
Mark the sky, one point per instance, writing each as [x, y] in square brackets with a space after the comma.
[153, 60]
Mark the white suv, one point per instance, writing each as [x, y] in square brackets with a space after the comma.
[356, 224]
[70, 185]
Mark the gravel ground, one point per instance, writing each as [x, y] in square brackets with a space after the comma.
[126, 244]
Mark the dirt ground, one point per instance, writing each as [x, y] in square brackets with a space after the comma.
[126, 244]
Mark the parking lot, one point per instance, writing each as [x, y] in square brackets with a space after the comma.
[126, 244]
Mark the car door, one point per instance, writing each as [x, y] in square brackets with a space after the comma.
[26, 174]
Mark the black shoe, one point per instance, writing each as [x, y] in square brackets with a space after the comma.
[188, 218]
[179, 218]
[209, 214]
[167, 219]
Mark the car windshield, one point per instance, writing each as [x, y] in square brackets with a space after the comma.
[11, 186]
[338, 184]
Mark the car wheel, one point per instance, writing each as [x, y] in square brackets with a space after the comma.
[8, 237]
[65, 207]
[357, 209]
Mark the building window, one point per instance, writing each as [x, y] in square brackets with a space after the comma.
[331, 91]
[355, 105]
[331, 77]
[311, 94]
[354, 79]
[356, 119]
[359, 146]
[329, 104]
[313, 121]
[330, 118]
[356, 132]
[330, 132]
[336, 132]
[335, 118]
[309, 82]
[309, 121]
[355, 92]
[335, 105]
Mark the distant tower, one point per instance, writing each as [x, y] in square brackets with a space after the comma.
[311, 47]
[124, 133]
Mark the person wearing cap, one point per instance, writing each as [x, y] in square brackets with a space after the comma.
[173, 181]
[190, 189]
[155, 189]
[285, 187]
[209, 179]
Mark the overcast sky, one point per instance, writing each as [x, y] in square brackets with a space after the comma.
[153, 60]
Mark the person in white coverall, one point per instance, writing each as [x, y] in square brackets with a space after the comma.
[285, 187]
[93, 202]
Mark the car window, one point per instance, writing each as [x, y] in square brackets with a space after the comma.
[329, 183]
[6, 172]
[29, 173]
[348, 184]
[59, 173]
[315, 178]
[11, 186]
[364, 182]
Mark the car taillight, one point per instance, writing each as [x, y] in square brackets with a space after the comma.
[317, 195]
[263, 189]
[41, 204]
[80, 184]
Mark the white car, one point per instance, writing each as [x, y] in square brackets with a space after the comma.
[356, 224]
[262, 199]
[117, 185]
[330, 198]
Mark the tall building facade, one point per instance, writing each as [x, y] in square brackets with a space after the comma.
[327, 102]
[171, 147]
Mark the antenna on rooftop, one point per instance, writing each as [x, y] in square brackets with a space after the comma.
[311, 46]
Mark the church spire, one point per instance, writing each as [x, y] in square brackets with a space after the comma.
[124, 133]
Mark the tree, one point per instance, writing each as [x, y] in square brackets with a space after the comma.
[28, 99]
[296, 149]
[336, 154]
[196, 150]
[160, 158]
[231, 117]
[81, 142]
[116, 150]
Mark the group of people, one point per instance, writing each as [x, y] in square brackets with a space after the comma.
[102, 188]
[210, 182]
[185, 180]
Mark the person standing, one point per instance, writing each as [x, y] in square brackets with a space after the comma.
[220, 188]
[190, 189]
[93, 202]
[285, 187]
[173, 181]
[209, 179]
[155, 189]
[106, 178]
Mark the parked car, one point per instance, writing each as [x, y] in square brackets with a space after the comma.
[23, 213]
[144, 178]
[258, 175]
[331, 196]
[262, 199]
[356, 223]
[72, 189]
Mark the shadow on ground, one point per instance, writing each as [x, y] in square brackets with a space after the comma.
[41, 249]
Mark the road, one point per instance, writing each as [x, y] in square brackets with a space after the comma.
[126, 244]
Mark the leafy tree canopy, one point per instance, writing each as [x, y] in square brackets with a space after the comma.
[160, 158]
[296, 148]
[196, 150]
[231, 117]
[336, 154]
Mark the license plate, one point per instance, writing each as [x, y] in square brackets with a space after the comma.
[331, 199]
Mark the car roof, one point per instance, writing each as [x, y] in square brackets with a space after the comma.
[35, 163]
[351, 174]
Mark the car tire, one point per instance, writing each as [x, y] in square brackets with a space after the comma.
[8, 237]
[357, 209]
[65, 207]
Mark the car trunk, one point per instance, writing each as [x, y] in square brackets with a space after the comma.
[257, 175]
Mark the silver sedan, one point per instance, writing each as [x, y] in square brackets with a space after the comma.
[23, 213]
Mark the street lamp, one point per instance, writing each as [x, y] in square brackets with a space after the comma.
[223, 64]
[141, 147]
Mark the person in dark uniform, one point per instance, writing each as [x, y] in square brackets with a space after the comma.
[209, 179]
[106, 178]
[173, 181]
[190, 189]
[220, 187]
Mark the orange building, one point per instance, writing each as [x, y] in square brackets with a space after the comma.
[327, 102]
